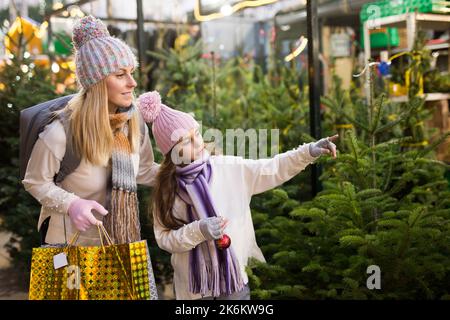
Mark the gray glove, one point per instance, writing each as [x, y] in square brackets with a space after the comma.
[323, 146]
[211, 228]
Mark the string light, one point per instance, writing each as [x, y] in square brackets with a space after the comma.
[24, 68]
[57, 5]
[76, 12]
[229, 10]
[300, 48]
[226, 10]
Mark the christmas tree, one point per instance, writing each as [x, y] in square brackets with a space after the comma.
[382, 205]
[22, 84]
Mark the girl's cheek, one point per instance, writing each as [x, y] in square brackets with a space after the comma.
[200, 145]
[186, 155]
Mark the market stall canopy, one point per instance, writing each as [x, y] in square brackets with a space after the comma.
[24, 32]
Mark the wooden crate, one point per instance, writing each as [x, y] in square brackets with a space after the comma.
[441, 121]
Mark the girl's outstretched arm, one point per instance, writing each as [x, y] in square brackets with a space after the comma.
[265, 174]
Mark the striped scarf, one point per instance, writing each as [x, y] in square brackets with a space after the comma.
[122, 222]
[210, 269]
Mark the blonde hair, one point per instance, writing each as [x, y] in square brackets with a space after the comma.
[91, 132]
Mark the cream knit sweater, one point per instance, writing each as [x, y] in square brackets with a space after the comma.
[87, 182]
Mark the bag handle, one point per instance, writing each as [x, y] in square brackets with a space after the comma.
[102, 232]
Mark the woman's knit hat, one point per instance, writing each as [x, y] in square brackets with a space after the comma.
[97, 53]
[168, 125]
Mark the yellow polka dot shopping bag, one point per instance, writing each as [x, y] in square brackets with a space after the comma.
[106, 272]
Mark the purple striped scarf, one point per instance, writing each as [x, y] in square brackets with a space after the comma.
[211, 269]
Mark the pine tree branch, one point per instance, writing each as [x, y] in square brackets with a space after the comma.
[388, 176]
[352, 120]
[379, 106]
[432, 146]
[403, 116]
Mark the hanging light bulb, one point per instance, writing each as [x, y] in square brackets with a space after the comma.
[24, 68]
[55, 67]
[57, 5]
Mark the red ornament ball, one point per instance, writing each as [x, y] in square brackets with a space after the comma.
[224, 242]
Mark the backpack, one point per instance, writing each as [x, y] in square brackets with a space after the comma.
[33, 121]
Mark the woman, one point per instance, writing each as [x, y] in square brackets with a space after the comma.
[105, 133]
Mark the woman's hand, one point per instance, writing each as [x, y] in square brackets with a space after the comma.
[323, 146]
[80, 213]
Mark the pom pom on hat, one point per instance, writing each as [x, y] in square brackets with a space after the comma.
[167, 124]
[88, 28]
[150, 105]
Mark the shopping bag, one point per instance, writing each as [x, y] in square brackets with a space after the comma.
[106, 272]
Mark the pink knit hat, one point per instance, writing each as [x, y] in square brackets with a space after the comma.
[97, 54]
[168, 125]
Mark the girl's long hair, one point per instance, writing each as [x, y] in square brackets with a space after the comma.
[91, 132]
[164, 194]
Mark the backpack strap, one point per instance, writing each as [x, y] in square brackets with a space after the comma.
[32, 122]
[71, 159]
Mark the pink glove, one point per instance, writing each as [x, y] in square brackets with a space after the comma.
[80, 213]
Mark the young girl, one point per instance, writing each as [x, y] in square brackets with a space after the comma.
[193, 203]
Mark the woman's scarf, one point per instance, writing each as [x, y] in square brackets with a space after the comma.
[211, 269]
[122, 221]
